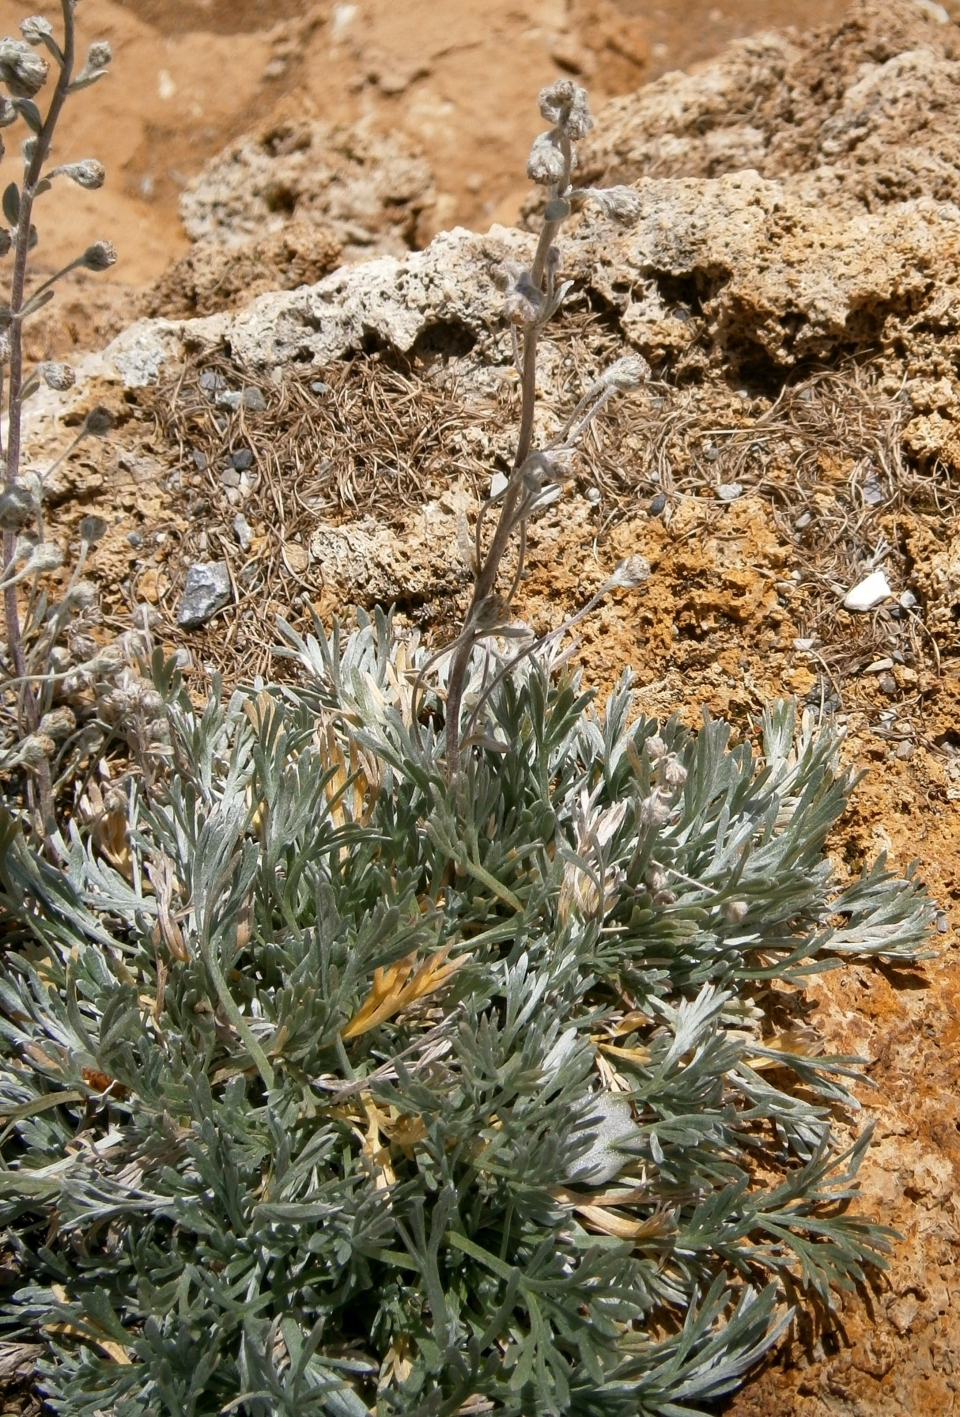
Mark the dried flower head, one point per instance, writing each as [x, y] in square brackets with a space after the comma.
[57, 376]
[734, 910]
[546, 163]
[82, 596]
[656, 748]
[23, 72]
[653, 811]
[8, 114]
[564, 104]
[100, 256]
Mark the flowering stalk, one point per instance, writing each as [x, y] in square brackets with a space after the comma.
[23, 72]
[533, 299]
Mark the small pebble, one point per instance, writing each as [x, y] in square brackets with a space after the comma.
[730, 491]
[872, 492]
[908, 600]
[943, 924]
[211, 380]
[905, 750]
[242, 459]
[253, 400]
[593, 495]
[230, 477]
[200, 460]
[135, 539]
[319, 387]
[869, 593]
[206, 590]
[887, 683]
[231, 400]
[243, 531]
[803, 520]
[657, 504]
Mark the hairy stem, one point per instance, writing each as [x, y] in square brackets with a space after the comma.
[21, 244]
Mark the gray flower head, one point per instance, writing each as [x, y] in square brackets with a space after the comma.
[524, 302]
[23, 72]
[99, 55]
[564, 104]
[99, 256]
[36, 30]
[546, 163]
[626, 373]
[631, 572]
[8, 114]
[620, 204]
[87, 173]
[57, 376]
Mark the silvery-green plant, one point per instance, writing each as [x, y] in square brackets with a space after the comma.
[357, 1092]
[28, 66]
[533, 297]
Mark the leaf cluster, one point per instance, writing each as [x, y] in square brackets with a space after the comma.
[359, 1090]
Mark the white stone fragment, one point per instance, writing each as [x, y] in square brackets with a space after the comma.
[870, 593]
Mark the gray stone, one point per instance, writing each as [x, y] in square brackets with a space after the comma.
[243, 531]
[206, 590]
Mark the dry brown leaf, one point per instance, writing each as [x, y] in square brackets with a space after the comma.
[395, 987]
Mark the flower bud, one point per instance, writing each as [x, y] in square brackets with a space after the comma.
[57, 376]
[653, 811]
[88, 173]
[656, 748]
[620, 204]
[36, 30]
[59, 723]
[100, 256]
[36, 749]
[626, 373]
[23, 72]
[564, 104]
[98, 421]
[83, 595]
[92, 529]
[99, 55]
[672, 772]
[631, 572]
[16, 509]
[46, 557]
[151, 703]
[546, 163]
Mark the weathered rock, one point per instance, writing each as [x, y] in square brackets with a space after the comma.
[368, 189]
[206, 590]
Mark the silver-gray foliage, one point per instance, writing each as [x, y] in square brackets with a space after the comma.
[357, 1090]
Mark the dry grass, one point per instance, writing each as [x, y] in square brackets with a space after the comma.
[386, 434]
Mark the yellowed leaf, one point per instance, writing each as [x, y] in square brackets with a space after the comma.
[396, 987]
